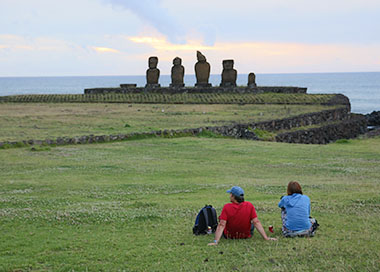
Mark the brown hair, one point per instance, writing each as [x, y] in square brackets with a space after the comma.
[294, 188]
[239, 199]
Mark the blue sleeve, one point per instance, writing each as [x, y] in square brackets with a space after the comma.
[281, 203]
[308, 203]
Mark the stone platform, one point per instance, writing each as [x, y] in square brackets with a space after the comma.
[169, 90]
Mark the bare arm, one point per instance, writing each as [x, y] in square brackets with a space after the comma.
[219, 232]
[256, 222]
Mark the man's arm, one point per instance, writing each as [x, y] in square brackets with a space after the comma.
[219, 232]
[256, 222]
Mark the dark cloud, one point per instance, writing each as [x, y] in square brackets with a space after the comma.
[153, 13]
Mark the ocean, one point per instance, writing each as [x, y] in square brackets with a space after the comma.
[363, 89]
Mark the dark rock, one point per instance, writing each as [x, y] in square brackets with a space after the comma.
[373, 118]
[113, 138]
[99, 139]
[128, 86]
[339, 99]
[373, 133]
[91, 139]
[49, 142]
[201, 88]
[346, 129]
[60, 141]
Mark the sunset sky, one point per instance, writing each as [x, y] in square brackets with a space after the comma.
[115, 37]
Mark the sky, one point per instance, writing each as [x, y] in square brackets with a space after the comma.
[116, 37]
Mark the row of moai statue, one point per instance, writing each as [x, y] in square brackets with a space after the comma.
[202, 73]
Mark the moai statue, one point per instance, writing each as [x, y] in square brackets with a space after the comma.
[152, 74]
[202, 71]
[178, 72]
[252, 80]
[229, 74]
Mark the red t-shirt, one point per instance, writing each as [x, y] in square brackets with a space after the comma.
[238, 217]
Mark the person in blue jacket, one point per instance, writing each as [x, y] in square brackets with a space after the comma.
[295, 213]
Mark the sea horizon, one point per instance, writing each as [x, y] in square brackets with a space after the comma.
[298, 73]
[362, 88]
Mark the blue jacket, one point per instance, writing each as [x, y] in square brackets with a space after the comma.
[297, 208]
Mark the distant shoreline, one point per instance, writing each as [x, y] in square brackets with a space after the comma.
[362, 88]
[141, 75]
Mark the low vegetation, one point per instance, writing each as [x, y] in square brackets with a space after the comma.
[48, 121]
[130, 206]
[189, 98]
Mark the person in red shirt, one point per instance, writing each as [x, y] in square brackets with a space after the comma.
[238, 219]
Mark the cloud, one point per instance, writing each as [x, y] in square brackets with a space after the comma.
[15, 43]
[128, 55]
[163, 44]
[269, 57]
[153, 13]
[105, 50]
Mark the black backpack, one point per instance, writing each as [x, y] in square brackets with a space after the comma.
[205, 218]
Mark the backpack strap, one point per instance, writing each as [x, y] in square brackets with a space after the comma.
[205, 213]
[214, 217]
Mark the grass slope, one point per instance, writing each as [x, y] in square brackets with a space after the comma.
[41, 121]
[130, 206]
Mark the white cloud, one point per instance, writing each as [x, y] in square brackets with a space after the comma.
[105, 50]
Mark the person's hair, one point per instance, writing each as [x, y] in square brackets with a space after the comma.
[294, 188]
[239, 199]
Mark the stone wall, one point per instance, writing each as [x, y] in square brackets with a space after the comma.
[168, 90]
[307, 119]
[235, 130]
[347, 129]
[373, 118]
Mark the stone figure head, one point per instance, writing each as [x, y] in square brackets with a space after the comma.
[201, 57]
[252, 80]
[228, 64]
[153, 61]
[177, 61]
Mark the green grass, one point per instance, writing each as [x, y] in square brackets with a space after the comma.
[264, 134]
[130, 206]
[155, 98]
[48, 121]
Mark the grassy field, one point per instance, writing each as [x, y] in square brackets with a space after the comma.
[130, 206]
[20, 121]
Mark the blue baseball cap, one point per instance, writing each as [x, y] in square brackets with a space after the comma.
[236, 191]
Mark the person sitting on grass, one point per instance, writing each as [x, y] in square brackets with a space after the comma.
[295, 213]
[238, 219]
